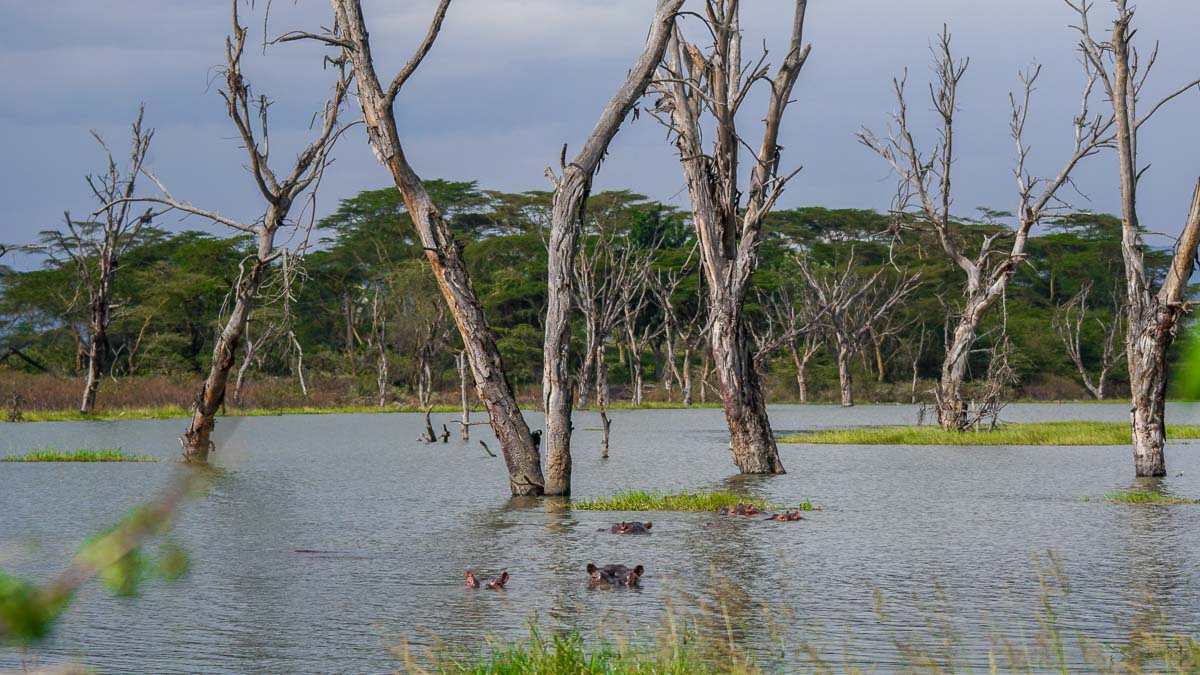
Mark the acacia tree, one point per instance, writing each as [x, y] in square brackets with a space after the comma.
[281, 192]
[927, 180]
[1153, 318]
[849, 305]
[349, 35]
[95, 248]
[694, 88]
[571, 190]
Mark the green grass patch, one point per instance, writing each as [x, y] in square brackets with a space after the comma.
[641, 500]
[1146, 497]
[81, 455]
[568, 654]
[1030, 433]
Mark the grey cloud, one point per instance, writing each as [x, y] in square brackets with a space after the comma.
[511, 80]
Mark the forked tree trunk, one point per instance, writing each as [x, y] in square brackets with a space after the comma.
[443, 252]
[751, 439]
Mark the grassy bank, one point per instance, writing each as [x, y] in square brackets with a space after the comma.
[641, 500]
[81, 455]
[1032, 433]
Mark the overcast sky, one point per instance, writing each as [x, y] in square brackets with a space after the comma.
[510, 81]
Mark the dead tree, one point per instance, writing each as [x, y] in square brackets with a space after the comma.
[664, 285]
[850, 304]
[96, 248]
[781, 325]
[378, 100]
[605, 271]
[640, 328]
[1153, 318]
[694, 88]
[378, 340]
[927, 180]
[1069, 319]
[571, 189]
[281, 192]
[914, 357]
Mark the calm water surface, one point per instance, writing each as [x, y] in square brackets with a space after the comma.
[937, 531]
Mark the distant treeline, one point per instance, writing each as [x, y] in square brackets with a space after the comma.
[363, 302]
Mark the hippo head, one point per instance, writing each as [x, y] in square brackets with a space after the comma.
[597, 577]
[631, 579]
[472, 582]
[499, 581]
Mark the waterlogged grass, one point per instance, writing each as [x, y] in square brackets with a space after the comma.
[641, 500]
[569, 654]
[1147, 497]
[81, 455]
[1031, 433]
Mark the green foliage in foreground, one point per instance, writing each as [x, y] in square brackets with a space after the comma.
[1031, 433]
[81, 455]
[1147, 497]
[117, 557]
[641, 500]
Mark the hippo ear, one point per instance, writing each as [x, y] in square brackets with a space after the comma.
[638, 570]
[468, 575]
[503, 578]
[649, 524]
[591, 568]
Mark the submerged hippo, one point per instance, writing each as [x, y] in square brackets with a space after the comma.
[786, 516]
[740, 509]
[614, 575]
[496, 583]
[632, 527]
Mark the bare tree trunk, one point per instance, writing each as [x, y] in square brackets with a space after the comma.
[570, 193]
[95, 357]
[687, 373]
[951, 408]
[460, 361]
[843, 363]
[602, 401]
[197, 440]
[444, 254]
[751, 438]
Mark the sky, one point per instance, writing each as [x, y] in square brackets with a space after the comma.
[510, 81]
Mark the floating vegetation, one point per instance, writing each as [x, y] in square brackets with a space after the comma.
[1147, 497]
[81, 455]
[1031, 433]
[641, 500]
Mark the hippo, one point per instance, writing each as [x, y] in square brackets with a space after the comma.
[632, 527]
[740, 509]
[495, 584]
[786, 516]
[612, 575]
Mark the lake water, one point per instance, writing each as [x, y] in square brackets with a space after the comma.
[938, 531]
